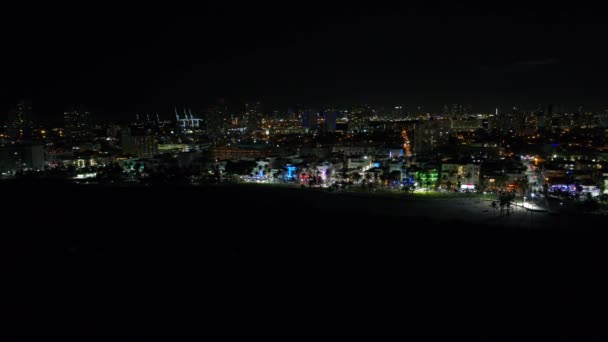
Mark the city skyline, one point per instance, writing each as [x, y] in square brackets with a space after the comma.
[303, 168]
[56, 116]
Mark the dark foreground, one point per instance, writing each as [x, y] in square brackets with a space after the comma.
[259, 263]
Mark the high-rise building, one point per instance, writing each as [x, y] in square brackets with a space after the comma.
[559, 118]
[397, 113]
[253, 116]
[329, 122]
[20, 121]
[77, 121]
[429, 134]
[455, 111]
[138, 143]
[218, 120]
[309, 120]
[508, 122]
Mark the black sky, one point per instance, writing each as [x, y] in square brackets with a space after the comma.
[121, 58]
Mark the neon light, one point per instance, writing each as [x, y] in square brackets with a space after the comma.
[291, 170]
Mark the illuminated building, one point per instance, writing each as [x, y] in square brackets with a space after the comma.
[146, 146]
[253, 116]
[173, 148]
[397, 113]
[406, 143]
[363, 163]
[427, 178]
[465, 176]
[77, 121]
[20, 121]
[324, 171]
[291, 173]
[455, 111]
[139, 144]
[355, 150]
[429, 134]
[465, 125]
[288, 126]
[513, 121]
[238, 152]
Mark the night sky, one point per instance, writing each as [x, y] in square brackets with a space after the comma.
[122, 58]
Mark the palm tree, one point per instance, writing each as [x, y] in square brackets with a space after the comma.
[505, 200]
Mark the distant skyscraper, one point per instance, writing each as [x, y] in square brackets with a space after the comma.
[252, 116]
[77, 121]
[218, 119]
[309, 119]
[329, 123]
[397, 113]
[508, 121]
[455, 111]
[20, 121]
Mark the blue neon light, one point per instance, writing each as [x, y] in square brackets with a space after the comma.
[291, 171]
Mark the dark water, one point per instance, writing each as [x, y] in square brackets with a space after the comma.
[139, 263]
